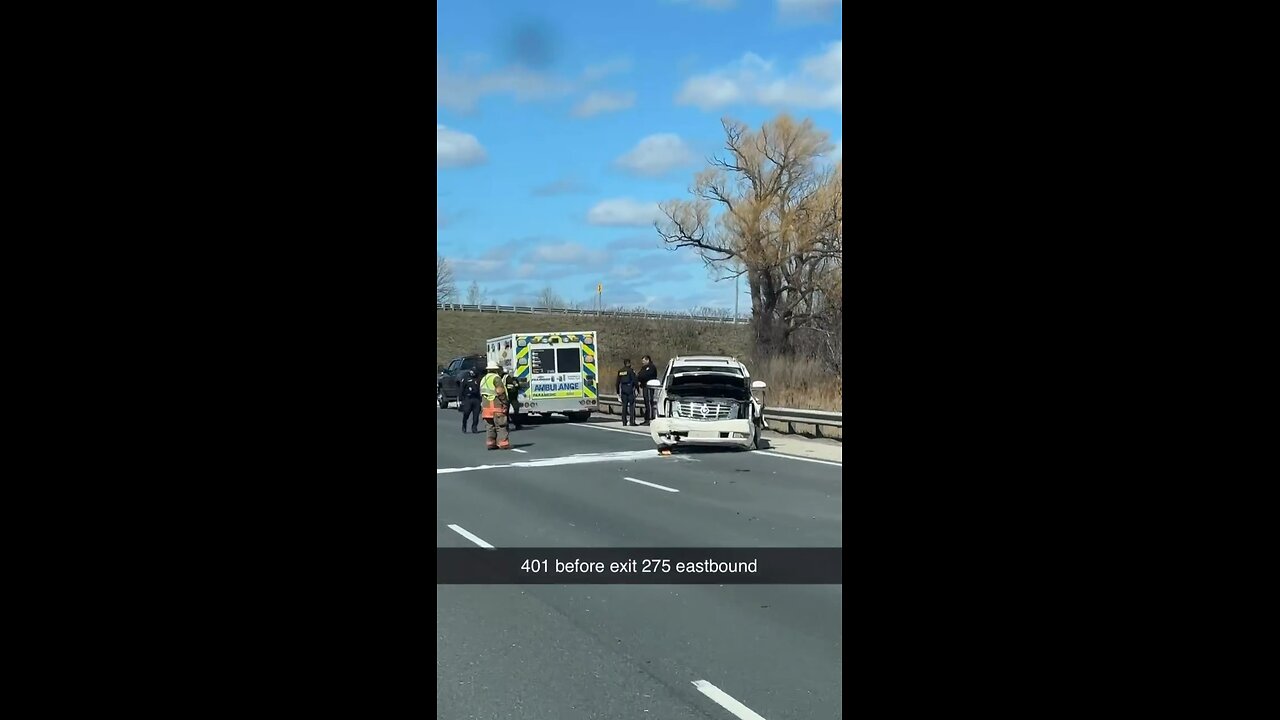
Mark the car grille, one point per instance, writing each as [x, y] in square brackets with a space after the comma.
[702, 411]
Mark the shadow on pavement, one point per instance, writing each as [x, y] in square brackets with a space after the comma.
[605, 420]
[695, 450]
[713, 450]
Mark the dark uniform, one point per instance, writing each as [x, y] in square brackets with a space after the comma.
[470, 404]
[647, 372]
[627, 392]
[513, 399]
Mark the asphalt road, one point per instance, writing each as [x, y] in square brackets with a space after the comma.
[561, 652]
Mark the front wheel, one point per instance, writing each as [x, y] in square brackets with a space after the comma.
[440, 398]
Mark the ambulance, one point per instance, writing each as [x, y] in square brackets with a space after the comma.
[557, 371]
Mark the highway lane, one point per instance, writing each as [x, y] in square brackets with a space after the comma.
[596, 651]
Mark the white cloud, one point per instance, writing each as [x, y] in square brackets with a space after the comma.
[709, 4]
[624, 212]
[569, 253]
[525, 270]
[626, 271]
[494, 262]
[657, 155]
[626, 296]
[827, 67]
[563, 186]
[839, 149]
[460, 88]
[634, 243]
[457, 149]
[511, 294]
[753, 80]
[605, 69]
[602, 102]
[461, 85]
[472, 268]
[807, 10]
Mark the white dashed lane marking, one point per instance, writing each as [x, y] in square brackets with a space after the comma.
[652, 485]
[462, 531]
[724, 700]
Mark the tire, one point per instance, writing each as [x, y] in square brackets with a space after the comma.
[440, 398]
[579, 416]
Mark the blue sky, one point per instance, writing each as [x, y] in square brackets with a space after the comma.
[560, 125]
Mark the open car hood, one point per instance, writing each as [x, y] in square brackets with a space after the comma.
[709, 386]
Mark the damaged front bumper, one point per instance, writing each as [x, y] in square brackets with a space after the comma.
[669, 432]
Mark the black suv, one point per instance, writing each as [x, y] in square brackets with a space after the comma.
[449, 382]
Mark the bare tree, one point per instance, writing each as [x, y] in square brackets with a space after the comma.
[826, 343]
[444, 280]
[771, 210]
[474, 293]
[548, 298]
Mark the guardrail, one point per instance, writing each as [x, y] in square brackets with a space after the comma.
[537, 310]
[791, 416]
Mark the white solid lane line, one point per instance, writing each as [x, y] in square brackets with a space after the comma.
[723, 699]
[797, 457]
[652, 485]
[461, 531]
[762, 452]
[594, 426]
[525, 452]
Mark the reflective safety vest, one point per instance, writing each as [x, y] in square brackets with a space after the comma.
[489, 396]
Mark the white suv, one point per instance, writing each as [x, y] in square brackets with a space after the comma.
[707, 400]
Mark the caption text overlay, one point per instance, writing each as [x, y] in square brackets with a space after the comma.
[639, 566]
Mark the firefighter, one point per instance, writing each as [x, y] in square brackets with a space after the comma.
[493, 408]
[470, 402]
[512, 384]
[647, 372]
[627, 392]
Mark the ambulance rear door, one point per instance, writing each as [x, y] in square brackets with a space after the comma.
[555, 374]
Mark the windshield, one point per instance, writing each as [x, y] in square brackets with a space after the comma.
[682, 369]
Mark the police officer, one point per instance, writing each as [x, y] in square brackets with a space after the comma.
[512, 384]
[626, 390]
[470, 402]
[647, 372]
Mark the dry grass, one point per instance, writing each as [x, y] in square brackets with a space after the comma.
[802, 384]
[792, 383]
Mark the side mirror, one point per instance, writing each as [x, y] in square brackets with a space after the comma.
[758, 385]
[653, 384]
